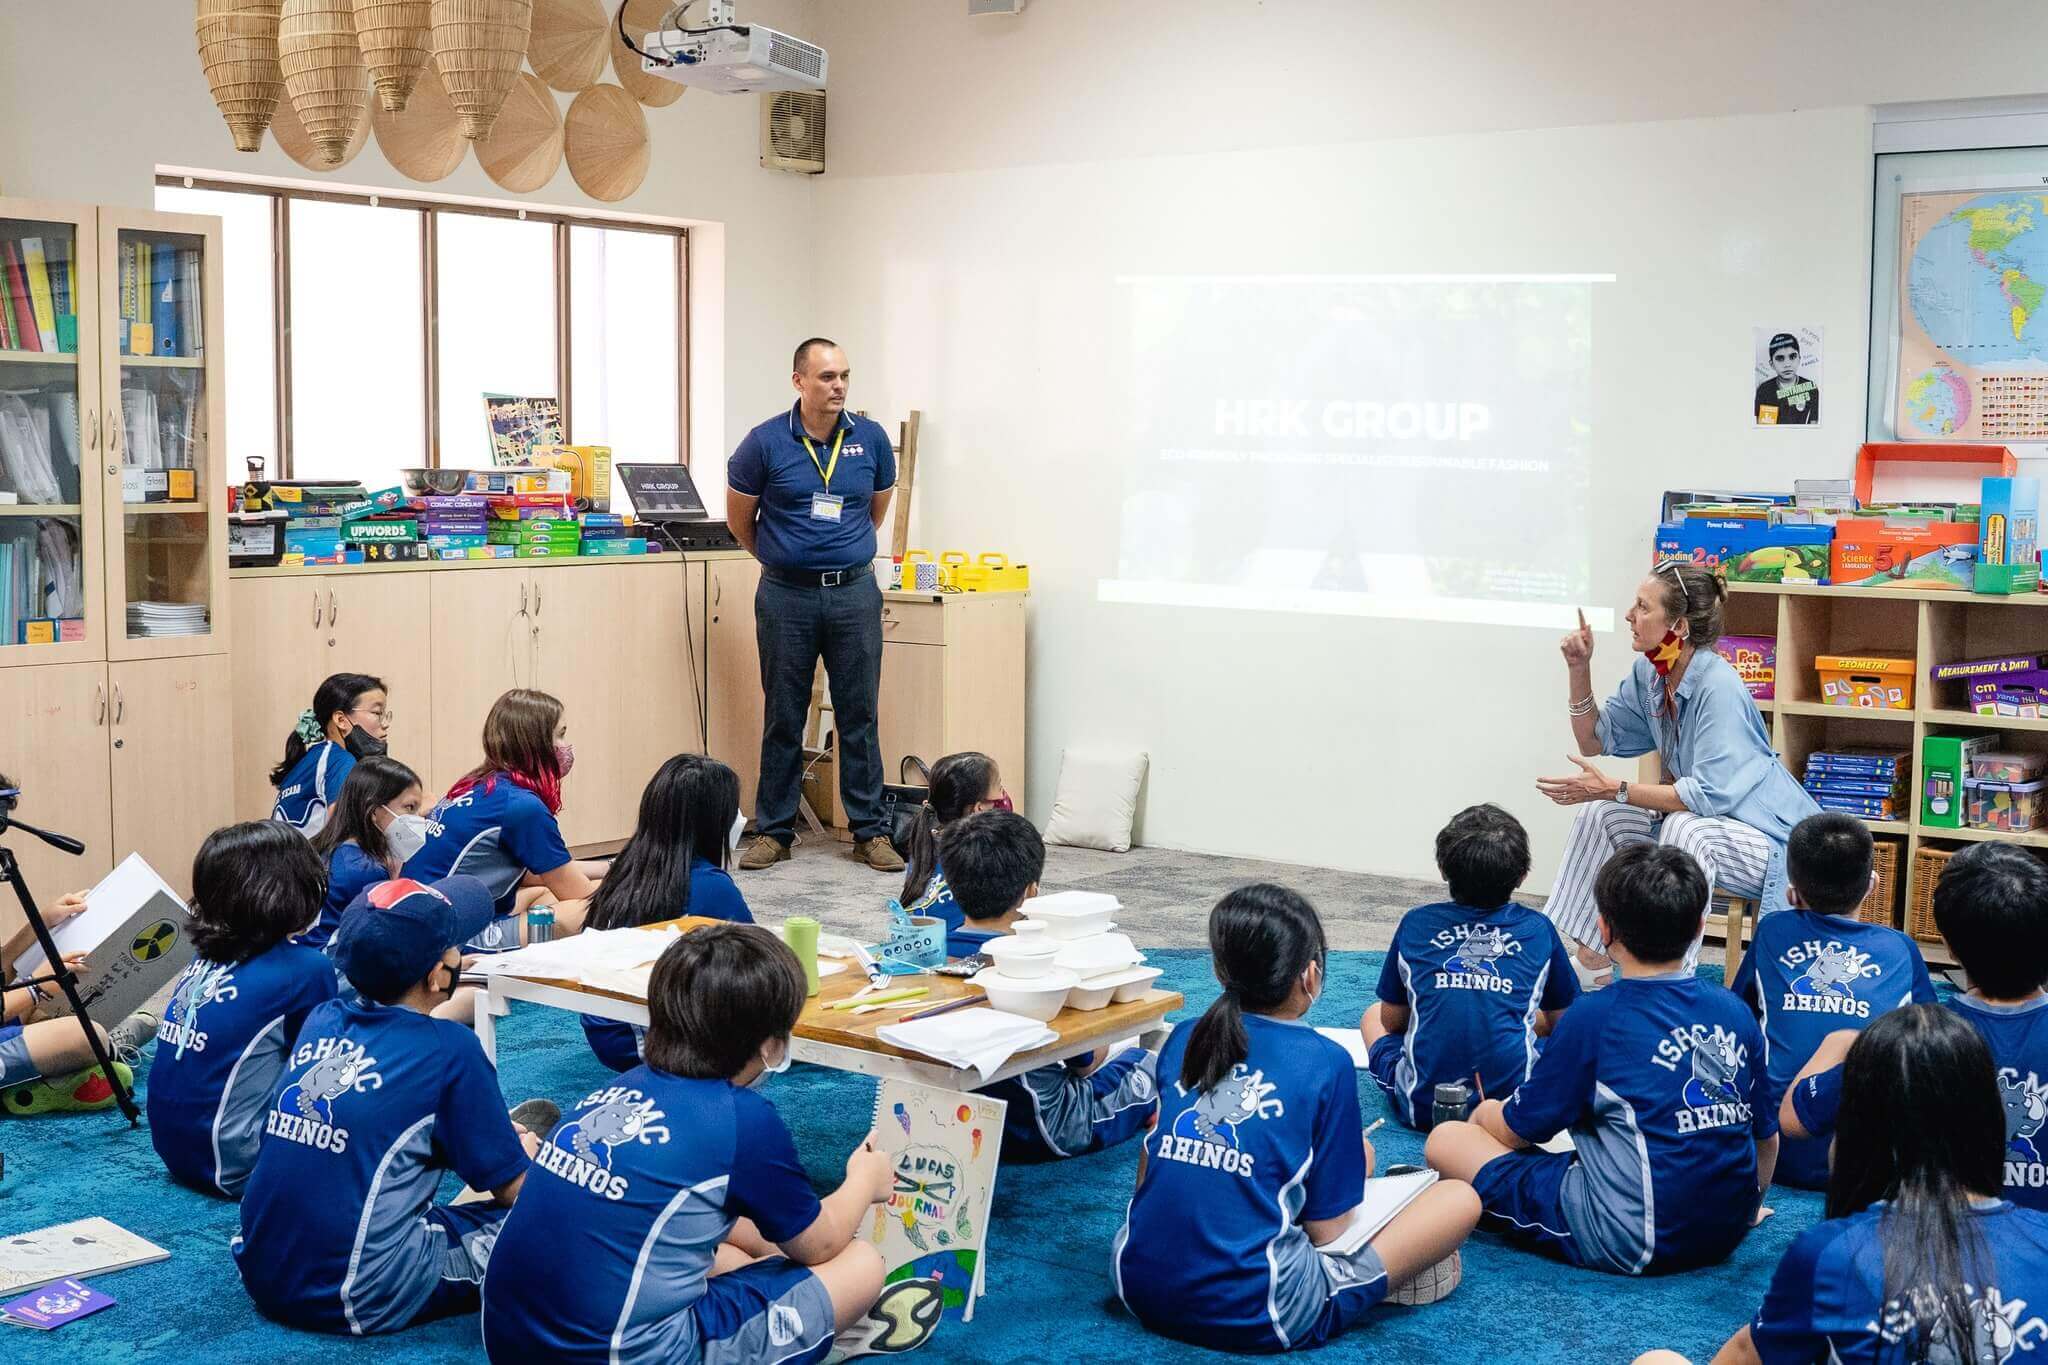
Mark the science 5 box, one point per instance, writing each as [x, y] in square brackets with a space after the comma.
[1903, 554]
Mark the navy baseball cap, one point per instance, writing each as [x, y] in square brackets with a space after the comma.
[394, 932]
[1783, 340]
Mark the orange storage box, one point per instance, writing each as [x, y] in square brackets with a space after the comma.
[1868, 682]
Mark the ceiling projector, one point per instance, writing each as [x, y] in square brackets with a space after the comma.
[728, 57]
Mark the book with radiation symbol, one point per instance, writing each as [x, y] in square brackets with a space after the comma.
[933, 1228]
[134, 931]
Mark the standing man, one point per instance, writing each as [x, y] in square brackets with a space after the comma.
[805, 492]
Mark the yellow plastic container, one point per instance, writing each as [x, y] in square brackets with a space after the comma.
[920, 572]
[1865, 682]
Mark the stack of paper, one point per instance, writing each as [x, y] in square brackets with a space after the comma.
[977, 1039]
[587, 957]
[154, 620]
[1384, 1196]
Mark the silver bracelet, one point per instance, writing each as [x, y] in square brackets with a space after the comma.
[1585, 706]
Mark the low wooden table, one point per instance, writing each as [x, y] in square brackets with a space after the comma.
[845, 1041]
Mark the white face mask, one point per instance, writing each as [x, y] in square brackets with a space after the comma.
[768, 1068]
[408, 834]
[738, 831]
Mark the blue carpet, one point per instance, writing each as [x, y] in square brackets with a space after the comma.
[1049, 1260]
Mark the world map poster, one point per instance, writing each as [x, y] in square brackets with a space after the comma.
[1973, 316]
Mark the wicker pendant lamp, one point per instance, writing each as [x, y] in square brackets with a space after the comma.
[478, 46]
[238, 49]
[323, 72]
[394, 35]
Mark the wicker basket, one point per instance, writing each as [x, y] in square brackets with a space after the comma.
[478, 46]
[238, 48]
[1881, 906]
[1927, 866]
[323, 72]
[394, 34]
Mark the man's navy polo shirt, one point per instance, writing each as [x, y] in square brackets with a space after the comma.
[771, 464]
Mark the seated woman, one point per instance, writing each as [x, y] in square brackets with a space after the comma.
[1724, 798]
[674, 865]
[1919, 1259]
[961, 784]
[235, 1012]
[703, 1240]
[373, 827]
[348, 721]
[498, 824]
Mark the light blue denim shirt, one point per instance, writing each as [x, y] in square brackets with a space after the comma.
[1716, 749]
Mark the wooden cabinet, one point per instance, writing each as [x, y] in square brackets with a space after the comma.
[170, 789]
[271, 679]
[56, 720]
[733, 673]
[479, 645]
[380, 624]
[910, 712]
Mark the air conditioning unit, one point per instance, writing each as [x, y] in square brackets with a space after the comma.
[793, 131]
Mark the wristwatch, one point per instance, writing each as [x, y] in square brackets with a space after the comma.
[1621, 793]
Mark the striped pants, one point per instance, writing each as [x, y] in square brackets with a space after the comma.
[1733, 855]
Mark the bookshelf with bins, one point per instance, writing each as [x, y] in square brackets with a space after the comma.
[1929, 626]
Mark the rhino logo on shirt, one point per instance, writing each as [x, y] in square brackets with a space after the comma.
[621, 1119]
[2026, 1110]
[1833, 971]
[1993, 1335]
[200, 985]
[1714, 1065]
[347, 1068]
[1240, 1096]
[1483, 947]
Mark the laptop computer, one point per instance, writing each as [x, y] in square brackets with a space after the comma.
[665, 496]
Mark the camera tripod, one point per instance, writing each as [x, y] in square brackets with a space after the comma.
[57, 973]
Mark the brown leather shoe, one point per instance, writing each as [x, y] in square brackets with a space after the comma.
[877, 853]
[765, 851]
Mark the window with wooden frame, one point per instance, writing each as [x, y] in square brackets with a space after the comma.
[362, 331]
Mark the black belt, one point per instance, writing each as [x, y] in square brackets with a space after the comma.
[814, 578]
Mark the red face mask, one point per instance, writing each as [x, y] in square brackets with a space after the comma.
[1665, 656]
[1002, 803]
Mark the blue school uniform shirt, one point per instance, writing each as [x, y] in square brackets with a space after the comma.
[1807, 975]
[2017, 1036]
[1473, 981]
[350, 872]
[771, 463]
[623, 1211]
[937, 901]
[1716, 749]
[966, 942]
[712, 893]
[226, 1033]
[376, 1102]
[312, 786]
[1213, 1244]
[1827, 1299]
[497, 832]
[1661, 1081]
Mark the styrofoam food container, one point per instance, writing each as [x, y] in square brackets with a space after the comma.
[1099, 954]
[1088, 997]
[1137, 981]
[1073, 914]
[1022, 955]
[1035, 997]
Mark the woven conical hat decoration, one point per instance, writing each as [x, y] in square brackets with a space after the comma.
[238, 49]
[424, 141]
[295, 142]
[571, 39]
[641, 17]
[323, 73]
[524, 149]
[393, 35]
[606, 139]
[478, 46]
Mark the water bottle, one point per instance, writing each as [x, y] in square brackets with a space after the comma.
[540, 924]
[1452, 1098]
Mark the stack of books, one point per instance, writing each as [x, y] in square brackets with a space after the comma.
[156, 620]
[1868, 783]
[456, 525]
[38, 295]
[539, 537]
[159, 304]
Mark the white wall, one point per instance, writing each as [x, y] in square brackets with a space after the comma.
[94, 97]
[990, 178]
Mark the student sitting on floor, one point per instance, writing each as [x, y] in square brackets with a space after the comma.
[47, 1065]
[1659, 1078]
[373, 826]
[674, 865]
[340, 1232]
[1814, 968]
[498, 822]
[668, 1218]
[1470, 983]
[1919, 1258]
[345, 723]
[1260, 1157]
[1069, 1108]
[1991, 906]
[961, 784]
[236, 1010]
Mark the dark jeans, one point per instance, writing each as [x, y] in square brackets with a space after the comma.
[793, 627]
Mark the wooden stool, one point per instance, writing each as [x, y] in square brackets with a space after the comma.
[1737, 912]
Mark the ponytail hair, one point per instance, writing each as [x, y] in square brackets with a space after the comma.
[959, 783]
[1261, 939]
[1695, 593]
[339, 692]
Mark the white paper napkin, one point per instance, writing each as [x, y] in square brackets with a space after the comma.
[972, 1039]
